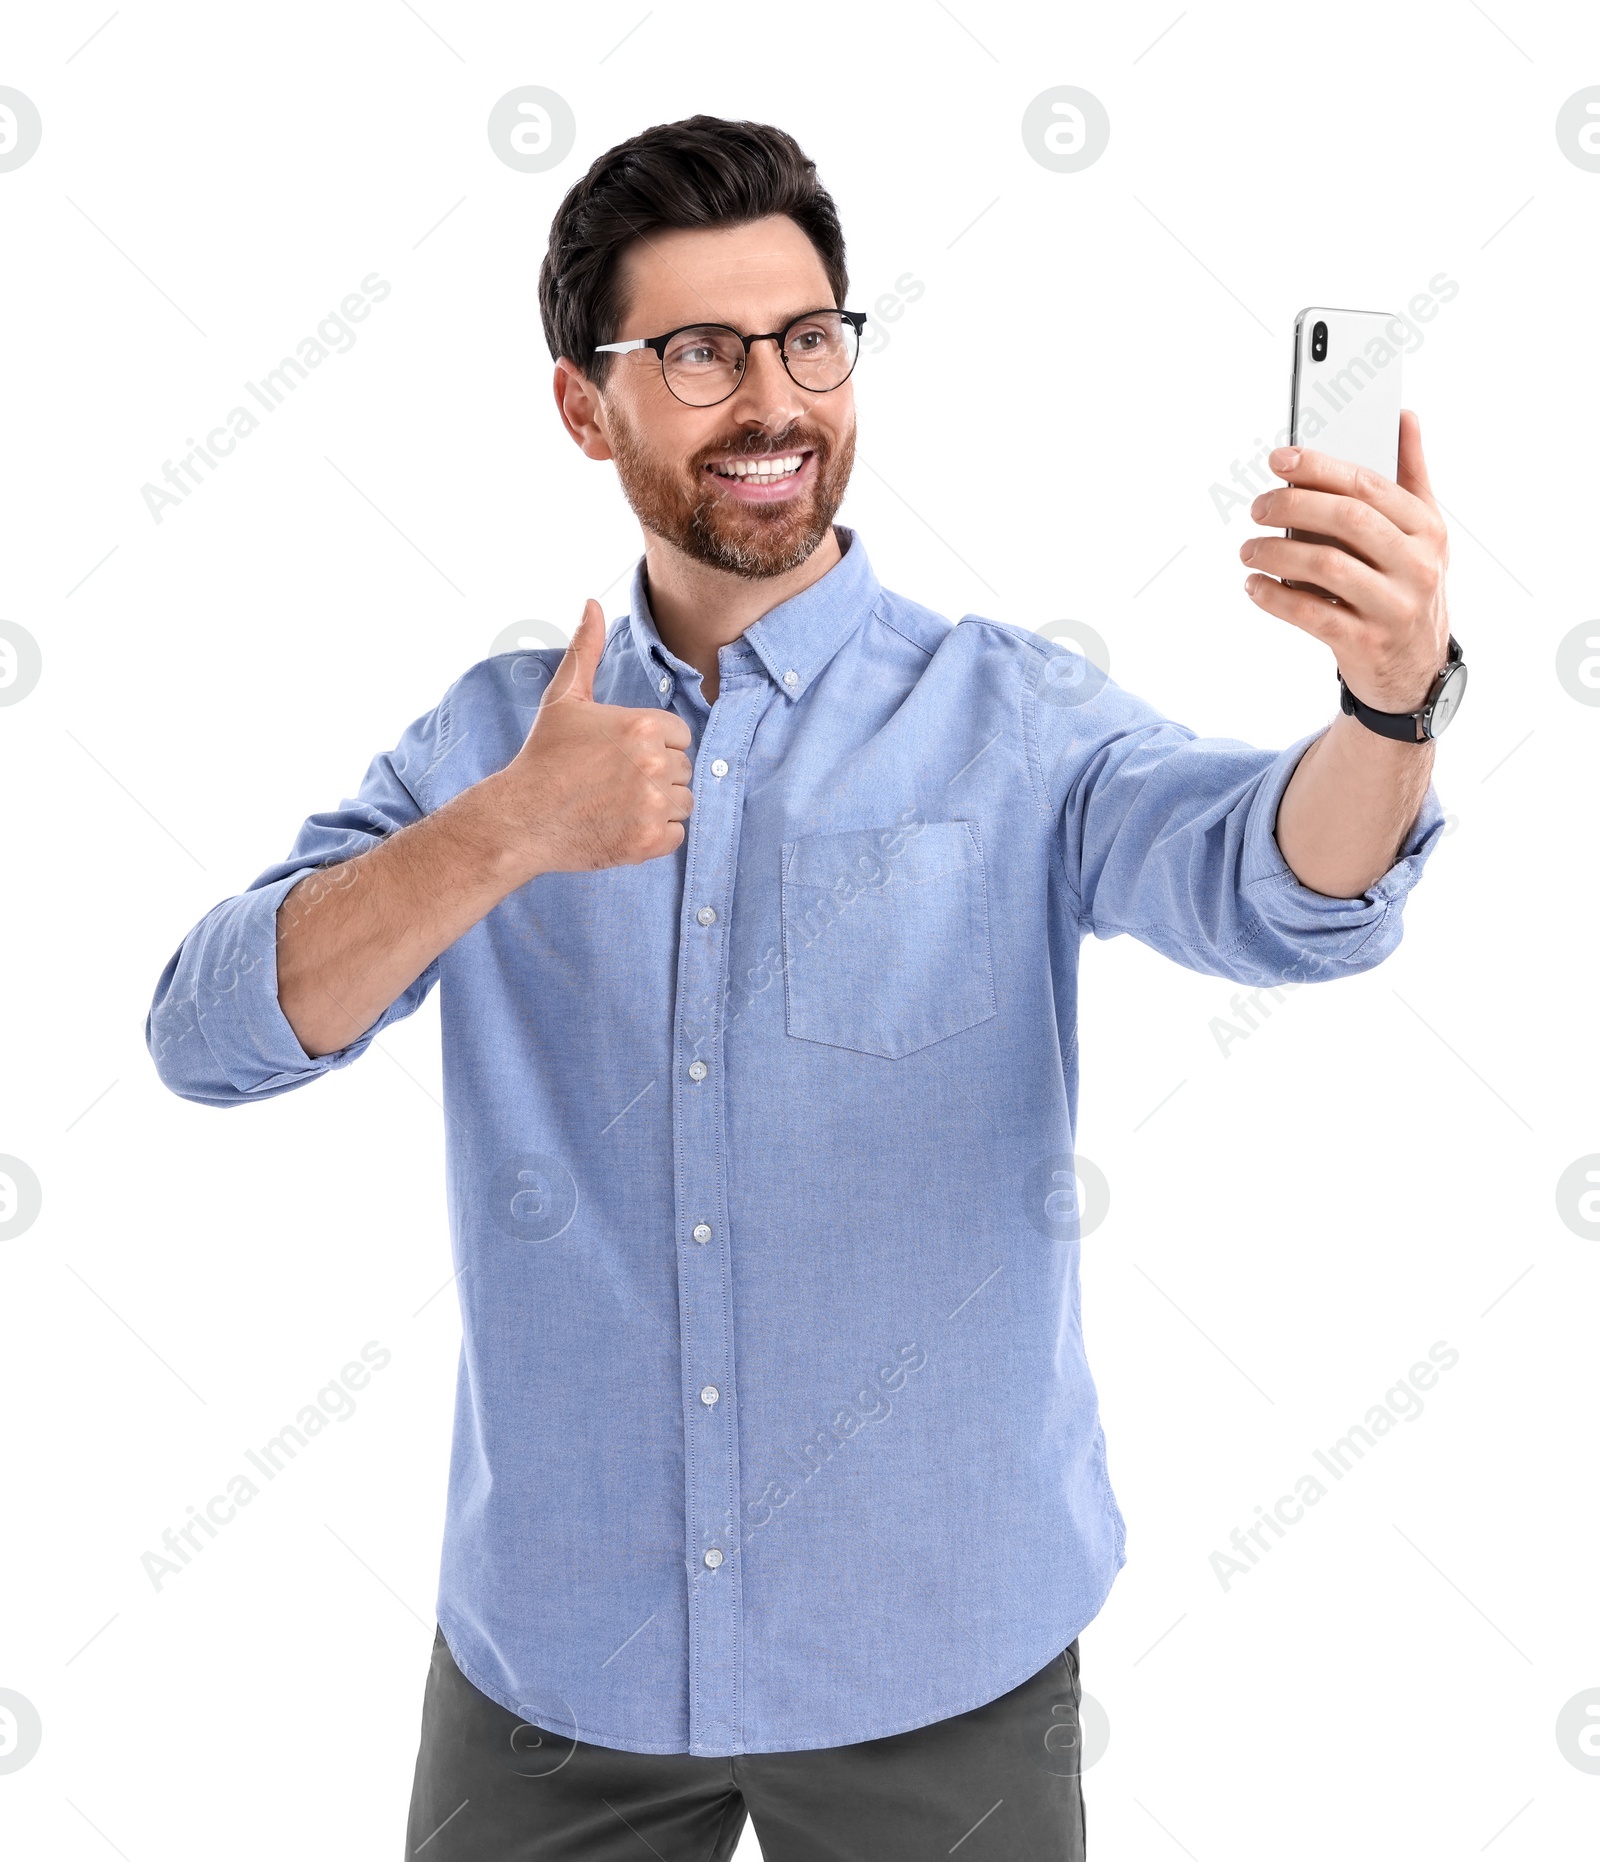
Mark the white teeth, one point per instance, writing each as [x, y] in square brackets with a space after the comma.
[776, 465]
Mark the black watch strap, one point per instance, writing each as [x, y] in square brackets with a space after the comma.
[1404, 726]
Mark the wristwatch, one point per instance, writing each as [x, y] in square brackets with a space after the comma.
[1430, 717]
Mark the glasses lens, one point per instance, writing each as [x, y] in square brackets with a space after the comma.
[703, 365]
[820, 350]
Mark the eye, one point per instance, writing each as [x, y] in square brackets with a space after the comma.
[704, 348]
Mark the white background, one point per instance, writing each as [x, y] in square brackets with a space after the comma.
[1367, 1173]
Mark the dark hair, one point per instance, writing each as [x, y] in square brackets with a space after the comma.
[704, 171]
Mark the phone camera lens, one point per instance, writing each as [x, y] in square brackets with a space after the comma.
[1319, 342]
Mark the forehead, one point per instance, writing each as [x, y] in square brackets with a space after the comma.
[752, 276]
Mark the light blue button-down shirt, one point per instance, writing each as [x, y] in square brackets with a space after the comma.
[774, 1428]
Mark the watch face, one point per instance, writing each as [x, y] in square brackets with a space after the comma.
[1448, 703]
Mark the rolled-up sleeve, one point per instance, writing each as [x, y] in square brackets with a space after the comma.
[215, 1029]
[1169, 837]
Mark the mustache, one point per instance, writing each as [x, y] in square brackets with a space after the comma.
[794, 438]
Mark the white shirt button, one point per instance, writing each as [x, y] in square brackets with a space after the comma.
[719, 769]
[697, 1071]
[709, 1395]
[702, 1231]
[713, 1558]
[706, 915]
[791, 677]
[665, 685]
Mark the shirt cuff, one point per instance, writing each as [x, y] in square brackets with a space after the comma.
[236, 1007]
[1272, 890]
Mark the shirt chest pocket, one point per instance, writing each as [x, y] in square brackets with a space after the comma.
[886, 937]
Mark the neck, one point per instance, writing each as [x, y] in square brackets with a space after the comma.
[699, 610]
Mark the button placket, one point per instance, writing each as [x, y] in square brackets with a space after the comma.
[711, 1469]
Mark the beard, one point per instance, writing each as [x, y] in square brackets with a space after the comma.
[674, 499]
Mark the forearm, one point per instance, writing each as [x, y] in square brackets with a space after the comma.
[352, 937]
[1350, 804]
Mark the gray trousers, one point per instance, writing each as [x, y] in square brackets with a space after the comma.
[1001, 1781]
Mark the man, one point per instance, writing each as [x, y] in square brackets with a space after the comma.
[778, 1481]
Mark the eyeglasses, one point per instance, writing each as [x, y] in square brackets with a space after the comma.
[704, 363]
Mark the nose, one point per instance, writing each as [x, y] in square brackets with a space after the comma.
[767, 394]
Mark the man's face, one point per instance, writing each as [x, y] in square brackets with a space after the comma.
[676, 462]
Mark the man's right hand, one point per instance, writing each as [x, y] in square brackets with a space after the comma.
[592, 786]
[595, 785]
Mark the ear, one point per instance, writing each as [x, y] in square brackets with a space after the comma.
[578, 403]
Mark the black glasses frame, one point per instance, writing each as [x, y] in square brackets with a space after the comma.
[855, 318]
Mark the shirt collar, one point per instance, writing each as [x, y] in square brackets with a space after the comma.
[795, 641]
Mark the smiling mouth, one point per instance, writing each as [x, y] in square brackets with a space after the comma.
[760, 469]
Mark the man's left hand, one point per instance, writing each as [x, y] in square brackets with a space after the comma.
[1387, 625]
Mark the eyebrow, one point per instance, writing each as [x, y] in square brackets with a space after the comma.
[724, 323]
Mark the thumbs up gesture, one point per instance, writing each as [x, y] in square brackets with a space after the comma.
[596, 785]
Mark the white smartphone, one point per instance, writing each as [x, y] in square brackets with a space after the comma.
[1344, 394]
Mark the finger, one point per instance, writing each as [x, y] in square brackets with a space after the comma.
[1310, 613]
[665, 766]
[1324, 564]
[677, 736]
[1322, 472]
[574, 677]
[1367, 532]
[629, 732]
[1412, 469]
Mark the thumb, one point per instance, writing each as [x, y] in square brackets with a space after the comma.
[574, 677]
[1411, 473]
